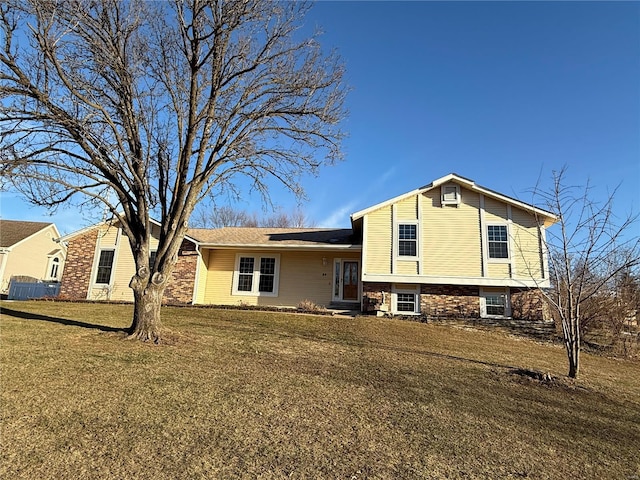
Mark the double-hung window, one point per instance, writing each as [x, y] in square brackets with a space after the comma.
[498, 241]
[407, 240]
[495, 305]
[105, 265]
[406, 302]
[405, 299]
[256, 275]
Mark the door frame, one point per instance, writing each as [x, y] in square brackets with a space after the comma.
[337, 281]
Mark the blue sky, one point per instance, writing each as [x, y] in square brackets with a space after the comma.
[499, 92]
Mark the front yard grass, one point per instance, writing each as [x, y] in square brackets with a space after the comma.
[238, 394]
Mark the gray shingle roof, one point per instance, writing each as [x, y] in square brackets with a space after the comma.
[273, 237]
[13, 231]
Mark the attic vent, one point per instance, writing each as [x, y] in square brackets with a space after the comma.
[450, 194]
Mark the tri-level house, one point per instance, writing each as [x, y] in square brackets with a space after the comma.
[451, 248]
[454, 248]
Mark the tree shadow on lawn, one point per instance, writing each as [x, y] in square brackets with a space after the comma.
[61, 321]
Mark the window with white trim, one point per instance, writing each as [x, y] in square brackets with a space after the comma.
[405, 299]
[105, 266]
[55, 268]
[495, 304]
[407, 239]
[406, 302]
[256, 275]
[498, 241]
[450, 194]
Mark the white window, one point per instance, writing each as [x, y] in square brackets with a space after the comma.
[495, 303]
[105, 265]
[256, 275]
[405, 300]
[55, 268]
[407, 240]
[450, 194]
[498, 240]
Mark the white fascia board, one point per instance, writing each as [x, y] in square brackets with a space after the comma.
[262, 246]
[467, 183]
[362, 213]
[479, 281]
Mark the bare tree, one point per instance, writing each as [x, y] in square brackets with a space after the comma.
[157, 105]
[226, 216]
[223, 216]
[592, 247]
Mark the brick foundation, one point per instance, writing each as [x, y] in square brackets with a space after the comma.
[527, 304]
[77, 271]
[376, 297]
[455, 301]
[450, 301]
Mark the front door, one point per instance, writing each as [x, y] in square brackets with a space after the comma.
[350, 281]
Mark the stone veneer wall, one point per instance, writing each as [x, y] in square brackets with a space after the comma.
[76, 276]
[183, 278]
[528, 304]
[450, 301]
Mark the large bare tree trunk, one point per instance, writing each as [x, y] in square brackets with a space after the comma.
[146, 325]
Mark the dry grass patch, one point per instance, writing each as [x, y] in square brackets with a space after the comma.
[268, 395]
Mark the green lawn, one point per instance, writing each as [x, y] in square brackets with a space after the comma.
[267, 395]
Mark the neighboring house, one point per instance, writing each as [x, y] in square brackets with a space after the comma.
[29, 249]
[451, 248]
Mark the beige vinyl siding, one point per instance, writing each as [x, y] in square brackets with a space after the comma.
[124, 269]
[203, 272]
[219, 283]
[498, 270]
[303, 276]
[108, 236]
[124, 266]
[451, 235]
[404, 267]
[526, 246]
[494, 211]
[378, 238]
[407, 209]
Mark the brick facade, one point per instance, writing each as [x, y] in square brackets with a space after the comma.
[376, 297]
[77, 272]
[527, 304]
[450, 301]
[183, 278]
[76, 278]
[457, 301]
